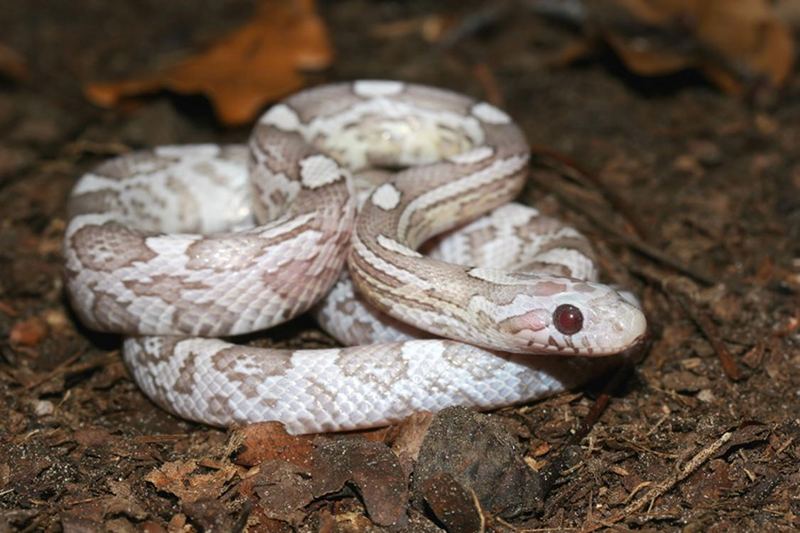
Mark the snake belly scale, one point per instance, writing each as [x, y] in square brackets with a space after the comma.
[177, 246]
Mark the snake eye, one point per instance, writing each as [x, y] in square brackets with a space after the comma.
[568, 319]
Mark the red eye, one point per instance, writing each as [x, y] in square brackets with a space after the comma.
[568, 319]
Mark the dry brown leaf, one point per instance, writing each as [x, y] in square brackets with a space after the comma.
[746, 33]
[254, 65]
[266, 441]
[28, 332]
[185, 480]
[283, 490]
[735, 43]
[370, 466]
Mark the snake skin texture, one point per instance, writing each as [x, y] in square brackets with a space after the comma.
[513, 237]
[181, 244]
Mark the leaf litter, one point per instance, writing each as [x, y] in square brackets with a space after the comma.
[81, 448]
[258, 63]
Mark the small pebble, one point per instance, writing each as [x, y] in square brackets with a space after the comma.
[44, 408]
[706, 396]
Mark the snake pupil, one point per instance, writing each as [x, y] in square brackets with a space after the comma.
[568, 319]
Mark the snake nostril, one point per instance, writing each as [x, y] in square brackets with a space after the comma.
[568, 319]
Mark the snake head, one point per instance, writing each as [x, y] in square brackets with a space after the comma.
[611, 321]
[549, 314]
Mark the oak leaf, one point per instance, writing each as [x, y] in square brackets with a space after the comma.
[256, 64]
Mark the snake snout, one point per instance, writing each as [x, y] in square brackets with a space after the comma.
[618, 325]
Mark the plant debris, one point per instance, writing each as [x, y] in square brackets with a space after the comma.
[259, 63]
[690, 198]
[737, 44]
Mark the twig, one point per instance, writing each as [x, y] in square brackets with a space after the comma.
[8, 374]
[620, 376]
[680, 290]
[554, 470]
[491, 89]
[665, 485]
[62, 368]
[570, 11]
[613, 199]
[7, 309]
[157, 439]
[481, 514]
[515, 529]
[475, 22]
[710, 332]
[632, 242]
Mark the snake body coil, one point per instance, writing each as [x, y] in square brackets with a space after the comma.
[178, 245]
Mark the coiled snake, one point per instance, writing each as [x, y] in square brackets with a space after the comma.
[177, 246]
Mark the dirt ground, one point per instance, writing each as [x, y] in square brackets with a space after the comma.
[691, 196]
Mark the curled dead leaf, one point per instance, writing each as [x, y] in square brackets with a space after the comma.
[736, 43]
[188, 481]
[256, 64]
[283, 490]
